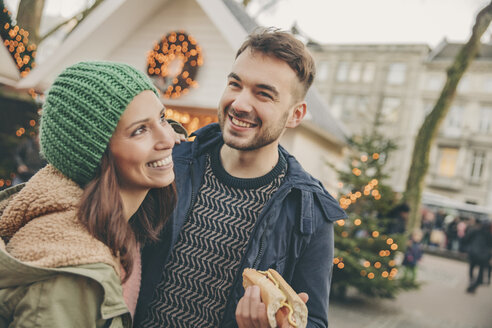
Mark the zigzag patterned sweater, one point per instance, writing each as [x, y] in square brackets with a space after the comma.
[197, 279]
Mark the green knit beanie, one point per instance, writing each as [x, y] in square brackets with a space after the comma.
[81, 112]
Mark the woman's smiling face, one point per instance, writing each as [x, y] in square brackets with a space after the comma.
[142, 145]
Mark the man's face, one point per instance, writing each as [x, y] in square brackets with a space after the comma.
[258, 101]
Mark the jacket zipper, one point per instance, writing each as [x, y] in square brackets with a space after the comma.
[193, 193]
[260, 251]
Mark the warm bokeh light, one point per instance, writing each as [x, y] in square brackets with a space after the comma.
[174, 62]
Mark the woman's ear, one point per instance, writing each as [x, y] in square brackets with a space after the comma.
[297, 115]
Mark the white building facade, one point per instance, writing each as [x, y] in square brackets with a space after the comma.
[402, 83]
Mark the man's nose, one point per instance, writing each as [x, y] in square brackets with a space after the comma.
[243, 101]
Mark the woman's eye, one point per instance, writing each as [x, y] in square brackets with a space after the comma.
[234, 84]
[139, 131]
[163, 118]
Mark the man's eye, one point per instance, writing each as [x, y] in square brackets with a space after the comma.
[163, 118]
[267, 95]
[233, 84]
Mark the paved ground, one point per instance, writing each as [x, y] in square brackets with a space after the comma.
[441, 302]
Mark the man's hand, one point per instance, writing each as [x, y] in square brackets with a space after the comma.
[282, 319]
[178, 137]
[22, 168]
[251, 312]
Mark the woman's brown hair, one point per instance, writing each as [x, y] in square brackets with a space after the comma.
[101, 211]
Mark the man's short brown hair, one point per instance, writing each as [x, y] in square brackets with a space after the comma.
[284, 46]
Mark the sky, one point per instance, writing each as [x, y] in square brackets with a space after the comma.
[351, 21]
[374, 21]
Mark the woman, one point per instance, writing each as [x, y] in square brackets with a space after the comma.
[69, 246]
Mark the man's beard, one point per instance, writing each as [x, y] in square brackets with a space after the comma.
[266, 136]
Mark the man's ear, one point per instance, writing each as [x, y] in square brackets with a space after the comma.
[297, 116]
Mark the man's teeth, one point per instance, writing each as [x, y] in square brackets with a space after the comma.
[161, 162]
[241, 123]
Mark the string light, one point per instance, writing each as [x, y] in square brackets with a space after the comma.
[28, 129]
[16, 40]
[190, 122]
[349, 199]
[174, 62]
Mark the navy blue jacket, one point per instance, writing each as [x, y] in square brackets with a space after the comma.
[293, 234]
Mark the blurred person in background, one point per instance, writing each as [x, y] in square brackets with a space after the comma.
[398, 219]
[452, 241]
[412, 256]
[461, 232]
[28, 159]
[478, 242]
[428, 218]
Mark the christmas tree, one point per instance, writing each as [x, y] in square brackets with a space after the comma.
[367, 258]
[16, 40]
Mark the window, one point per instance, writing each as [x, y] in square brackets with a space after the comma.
[369, 72]
[342, 72]
[428, 107]
[485, 123]
[396, 73]
[477, 165]
[464, 84]
[323, 70]
[355, 72]
[346, 106]
[454, 121]
[434, 82]
[447, 162]
[389, 109]
[336, 106]
[487, 84]
[363, 106]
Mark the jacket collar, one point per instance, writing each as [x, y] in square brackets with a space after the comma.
[296, 178]
[210, 135]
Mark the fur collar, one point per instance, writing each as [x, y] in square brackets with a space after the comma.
[39, 226]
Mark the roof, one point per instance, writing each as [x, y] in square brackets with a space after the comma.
[112, 21]
[448, 51]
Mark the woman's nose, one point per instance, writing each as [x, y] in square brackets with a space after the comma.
[165, 137]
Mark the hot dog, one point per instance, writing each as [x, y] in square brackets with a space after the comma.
[276, 293]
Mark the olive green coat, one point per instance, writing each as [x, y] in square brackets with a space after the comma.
[52, 272]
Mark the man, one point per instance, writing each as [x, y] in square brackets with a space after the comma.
[478, 241]
[399, 217]
[243, 201]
